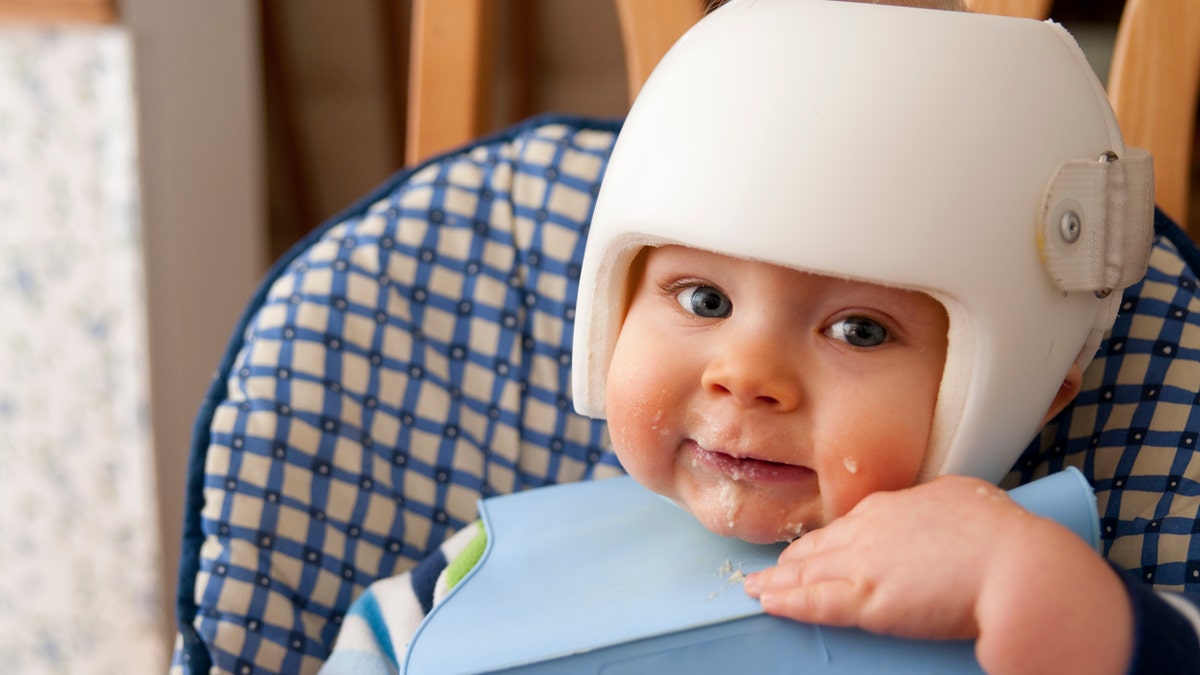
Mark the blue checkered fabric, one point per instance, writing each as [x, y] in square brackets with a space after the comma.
[413, 355]
[409, 358]
[1133, 428]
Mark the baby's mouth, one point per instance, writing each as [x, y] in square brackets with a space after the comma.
[749, 468]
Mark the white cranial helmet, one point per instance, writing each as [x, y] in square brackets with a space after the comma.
[971, 157]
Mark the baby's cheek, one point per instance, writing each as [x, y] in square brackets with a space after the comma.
[856, 478]
[624, 416]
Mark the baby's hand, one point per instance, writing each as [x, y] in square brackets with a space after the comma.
[909, 563]
[957, 559]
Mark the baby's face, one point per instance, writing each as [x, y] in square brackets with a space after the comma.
[769, 401]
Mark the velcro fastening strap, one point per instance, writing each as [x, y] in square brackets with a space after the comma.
[1097, 222]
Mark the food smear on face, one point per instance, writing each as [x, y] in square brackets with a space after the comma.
[851, 464]
[656, 424]
[730, 500]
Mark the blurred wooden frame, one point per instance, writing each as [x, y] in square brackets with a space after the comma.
[57, 11]
[1152, 84]
[449, 82]
[1153, 87]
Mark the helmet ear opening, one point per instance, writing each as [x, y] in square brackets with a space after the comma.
[633, 279]
[605, 294]
[1072, 383]
[957, 375]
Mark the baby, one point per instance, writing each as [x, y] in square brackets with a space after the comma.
[840, 252]
[846, 261]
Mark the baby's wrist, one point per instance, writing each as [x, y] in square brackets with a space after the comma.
[1052, 590]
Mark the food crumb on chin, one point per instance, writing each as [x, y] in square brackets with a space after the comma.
[794, 530]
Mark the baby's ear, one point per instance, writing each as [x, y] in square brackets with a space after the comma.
[1066, 392]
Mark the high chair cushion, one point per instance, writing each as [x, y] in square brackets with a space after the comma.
[408, 358]
[413, 355]
[1133, 428]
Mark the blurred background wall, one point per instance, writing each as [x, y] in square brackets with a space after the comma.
[335, 77]
[155, 157]
[132, 213]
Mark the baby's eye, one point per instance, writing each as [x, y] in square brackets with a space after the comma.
[705, 301]
[858, 331]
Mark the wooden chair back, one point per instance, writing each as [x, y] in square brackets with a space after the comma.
[449, 82]
[57, 11]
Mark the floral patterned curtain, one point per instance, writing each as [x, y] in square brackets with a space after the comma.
[79, 580]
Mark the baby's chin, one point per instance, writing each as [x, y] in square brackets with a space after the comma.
[750, 524]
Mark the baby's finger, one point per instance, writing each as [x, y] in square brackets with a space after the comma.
[835, 602]
[817, 568]
[772, 578]
[832, 537]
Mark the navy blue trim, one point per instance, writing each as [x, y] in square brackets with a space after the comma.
[1164, 641]
[195, 652]
[1169, 230]
[424, 578]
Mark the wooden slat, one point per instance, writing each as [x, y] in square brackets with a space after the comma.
[1153, 87]
[648, 29]
[393, 34]
[1029, 9]
[449, 82]
[57, 11]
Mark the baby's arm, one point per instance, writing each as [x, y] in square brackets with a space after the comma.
[956, 558]
[376, 631]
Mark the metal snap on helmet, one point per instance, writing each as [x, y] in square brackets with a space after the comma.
[971, 157]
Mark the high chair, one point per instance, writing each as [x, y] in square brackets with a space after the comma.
[413, 355]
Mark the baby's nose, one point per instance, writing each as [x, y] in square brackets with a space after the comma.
[754, 371]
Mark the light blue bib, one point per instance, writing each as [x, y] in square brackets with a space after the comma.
[607, 577]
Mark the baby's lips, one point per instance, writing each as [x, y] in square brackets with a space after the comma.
[753, 469]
